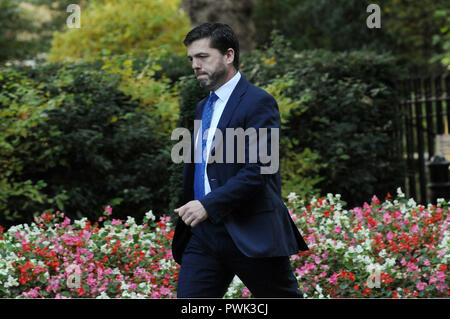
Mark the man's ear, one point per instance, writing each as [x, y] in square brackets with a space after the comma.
[229, 56]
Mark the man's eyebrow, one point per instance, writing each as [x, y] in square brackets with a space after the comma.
[198, 54]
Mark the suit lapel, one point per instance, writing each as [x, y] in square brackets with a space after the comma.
[232, 103]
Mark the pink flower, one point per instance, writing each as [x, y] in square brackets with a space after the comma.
[375, 199]
[116, 222]
[108, 210]
[245, 292]
[441, 276]
[390, 235]
[421, 285]
[441, 287]
[414, 228]
[427, 262]
[397, 214]
[412, 267]
[337, 229]
[403, 261]
[333, 278]
[387, 218]
[164, 291]
[441, 253]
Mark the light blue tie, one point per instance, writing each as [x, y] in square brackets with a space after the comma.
[199, 177]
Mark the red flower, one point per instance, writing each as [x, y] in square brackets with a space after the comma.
[372, 222]
[26, 247]
[356, 287]
[47, 217]
[366, 292]
[23, 279]
[81, 291]
[442, 267]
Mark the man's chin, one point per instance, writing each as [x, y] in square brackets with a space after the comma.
[205, 84]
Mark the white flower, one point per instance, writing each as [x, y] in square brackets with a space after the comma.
[12, 282]
[292, 196]
[319, 290]
[142, 285]
[124, 286]
[390, 261]
[374, 268]
[400, 193]
[412, 202]
[131, 221]
[104, 249]
[81, 222]
[149, 215]
[103, 295]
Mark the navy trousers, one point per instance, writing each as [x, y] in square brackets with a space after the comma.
[211, 260]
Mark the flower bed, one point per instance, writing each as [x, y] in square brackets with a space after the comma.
[392, 249]
[54, 258]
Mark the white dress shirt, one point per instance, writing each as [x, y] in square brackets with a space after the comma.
[223, 93]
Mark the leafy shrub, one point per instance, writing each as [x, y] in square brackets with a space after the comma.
[157, 97]
[122, 27]
[299, 171]
[347, 114]
[94, 146]
[22, 106]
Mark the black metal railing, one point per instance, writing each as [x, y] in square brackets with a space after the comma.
[425, 108]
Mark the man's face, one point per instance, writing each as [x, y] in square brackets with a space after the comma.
[209, 64]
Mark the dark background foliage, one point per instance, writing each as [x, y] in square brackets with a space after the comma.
[99, 149]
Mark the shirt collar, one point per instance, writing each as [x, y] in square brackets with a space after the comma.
[225, 90]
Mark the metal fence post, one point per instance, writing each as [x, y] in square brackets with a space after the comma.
[439, 185]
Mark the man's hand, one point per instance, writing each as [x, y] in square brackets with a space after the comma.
[192, 213]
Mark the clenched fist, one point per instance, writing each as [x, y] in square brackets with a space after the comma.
[192, 213]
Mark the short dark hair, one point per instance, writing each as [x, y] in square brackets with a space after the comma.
[221, 37]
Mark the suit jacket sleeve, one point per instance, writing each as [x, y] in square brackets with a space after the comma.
[262, 113]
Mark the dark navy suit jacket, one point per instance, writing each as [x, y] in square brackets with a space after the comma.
[247, 202]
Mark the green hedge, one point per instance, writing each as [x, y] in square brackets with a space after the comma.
[348, 114]
[89, 144]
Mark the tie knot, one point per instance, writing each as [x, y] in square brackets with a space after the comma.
[213, 97]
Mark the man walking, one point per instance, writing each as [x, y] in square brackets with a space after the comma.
[234, 221]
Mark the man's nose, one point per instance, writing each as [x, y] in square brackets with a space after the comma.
[195, 64]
